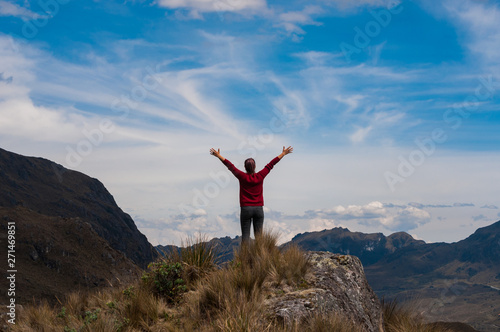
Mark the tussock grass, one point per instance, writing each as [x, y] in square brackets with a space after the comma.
[197, 252]
[38, 318]
[197, 255]
[232, 297]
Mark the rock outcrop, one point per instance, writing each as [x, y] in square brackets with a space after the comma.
[335, 284]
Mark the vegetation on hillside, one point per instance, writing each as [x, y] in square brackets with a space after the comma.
[187, 291]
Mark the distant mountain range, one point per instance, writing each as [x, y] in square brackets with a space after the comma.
[447, 281]
[369, 248]
[70, 233]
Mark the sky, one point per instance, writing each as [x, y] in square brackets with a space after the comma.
[392, 107]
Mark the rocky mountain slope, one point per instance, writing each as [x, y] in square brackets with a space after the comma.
[52, 190]
[70, 234]
[56, 255]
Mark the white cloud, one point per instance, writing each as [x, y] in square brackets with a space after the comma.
[11, 9]
[376, 214]
[349, 4]
[215, 5]
[375, 52]
[292, 21]
[315, 58]
[360, 134]
[478, 21]
[19, 116]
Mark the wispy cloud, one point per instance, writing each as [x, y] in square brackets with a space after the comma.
[215, 5]
[360, 134]
[7, 80]
[423, 206]
[349, 5]
[479, 217]
[293, 21]
[490, 206]
[478, 20]
[8, 8]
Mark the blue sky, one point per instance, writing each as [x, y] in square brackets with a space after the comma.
[392, 108]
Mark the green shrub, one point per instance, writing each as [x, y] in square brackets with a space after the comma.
[129, 292]
[165, 279]
[91, 316]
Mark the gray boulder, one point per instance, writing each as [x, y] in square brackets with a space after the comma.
[335, 284]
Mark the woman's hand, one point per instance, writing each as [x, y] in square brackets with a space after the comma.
[216, 153]
[286, 151]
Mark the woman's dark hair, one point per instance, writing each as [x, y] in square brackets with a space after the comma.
[250, 165]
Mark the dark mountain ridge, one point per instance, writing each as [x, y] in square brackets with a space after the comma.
[370, 248]
[52, 190]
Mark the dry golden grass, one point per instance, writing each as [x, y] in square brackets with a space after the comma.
[197, 255]
[36, 318]
[232, 298]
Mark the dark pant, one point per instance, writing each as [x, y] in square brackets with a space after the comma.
[249, 213]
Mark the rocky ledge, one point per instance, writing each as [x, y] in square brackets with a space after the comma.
[335, 284]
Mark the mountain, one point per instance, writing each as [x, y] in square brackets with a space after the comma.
[55, 256]
[52, 190]
[69, 232]
[475, 259]
[447, 281]
[368, 247]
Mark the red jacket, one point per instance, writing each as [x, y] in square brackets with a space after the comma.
[251, 184]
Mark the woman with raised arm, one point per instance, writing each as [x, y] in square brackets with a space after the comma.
[251, 191]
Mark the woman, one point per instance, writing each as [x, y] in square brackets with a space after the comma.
[251, 191]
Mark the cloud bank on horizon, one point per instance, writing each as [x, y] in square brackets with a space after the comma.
[392, 108]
